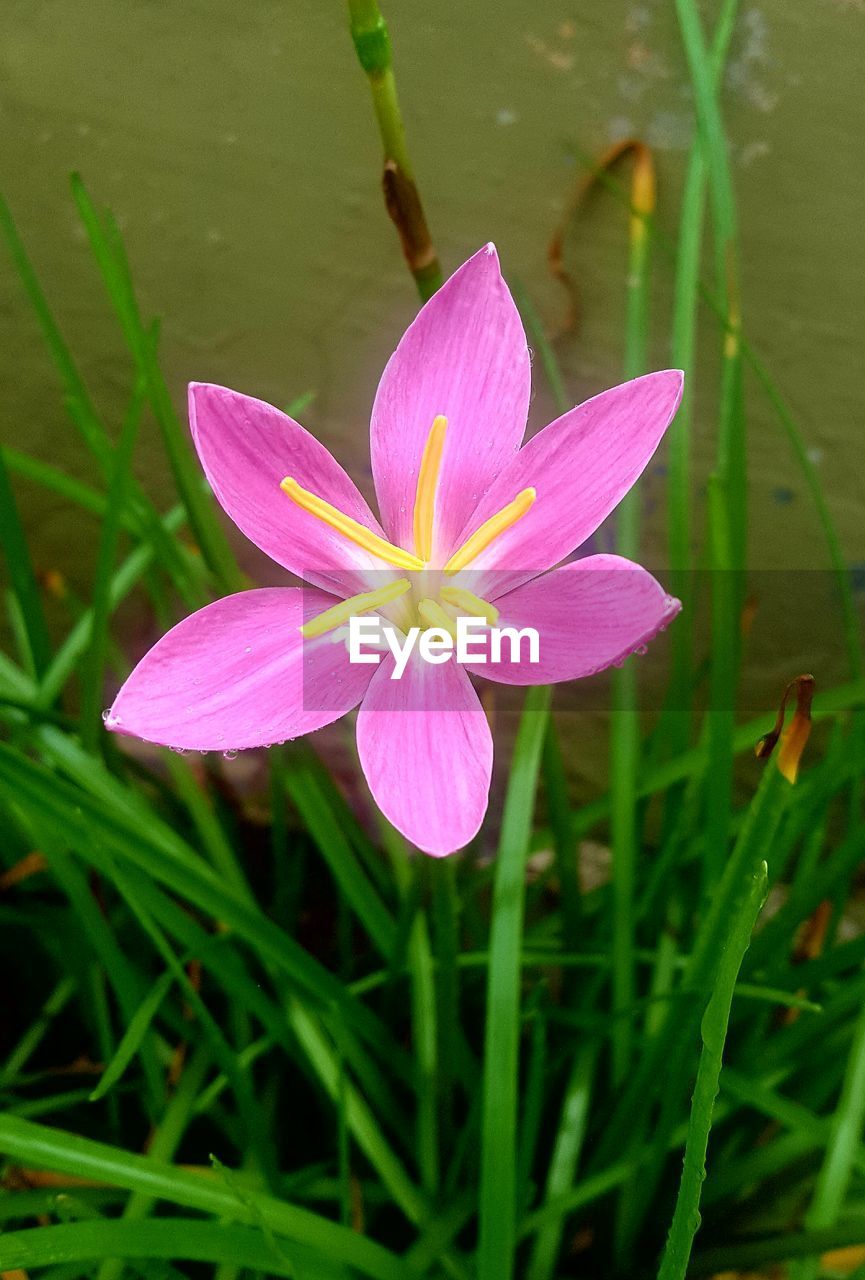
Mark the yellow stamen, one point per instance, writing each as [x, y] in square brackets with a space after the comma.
[490, 530]
[351, 529]
[469, 603]
[434, 616]
[363, 603]
[427, 483]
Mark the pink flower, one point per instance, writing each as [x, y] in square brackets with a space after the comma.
[471, 523]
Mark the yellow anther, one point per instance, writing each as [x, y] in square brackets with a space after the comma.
[490, 530]
[363, 603]
[469, 603]
[349, 528]
[427, 484]
[434, 616]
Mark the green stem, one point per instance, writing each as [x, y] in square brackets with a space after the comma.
[728, 546]
[625, 728]
[683, 347]
[402, 198]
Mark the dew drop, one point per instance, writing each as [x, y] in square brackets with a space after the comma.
[105, 714]
[248, 649]
[641, 649]
[229, 755]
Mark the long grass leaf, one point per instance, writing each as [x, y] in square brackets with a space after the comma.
[498, 1185]
[107, 251]
[686, 1217]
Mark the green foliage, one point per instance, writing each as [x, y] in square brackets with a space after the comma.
[323, 1056]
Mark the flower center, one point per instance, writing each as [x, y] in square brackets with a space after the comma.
[451, 602]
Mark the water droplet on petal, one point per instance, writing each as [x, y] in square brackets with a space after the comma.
[641, 649]
[105, 714]
[248, 649]
[229, 755]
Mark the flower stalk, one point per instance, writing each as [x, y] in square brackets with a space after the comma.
[401, 196]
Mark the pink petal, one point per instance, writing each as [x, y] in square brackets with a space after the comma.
[589, 615]
[427, 752]
[246, 448]
[464, 356]
[581, 465]
[238, 674]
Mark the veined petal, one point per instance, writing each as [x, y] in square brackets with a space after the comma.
[581, 466]
[247, 448]
[238, 674]
[463, 357]
[427, 752]
[588, 615]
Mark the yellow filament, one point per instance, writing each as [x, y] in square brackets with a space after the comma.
[427, 483]
[351, 529]
[469, 603]
[434, 616]
[363, 603]
[490, 530]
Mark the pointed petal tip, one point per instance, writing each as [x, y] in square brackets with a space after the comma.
[203, 390]
[671, 380]
[675, 377]
[485, 258]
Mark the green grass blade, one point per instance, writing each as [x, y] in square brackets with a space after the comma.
[683, 347]
[573, 1125]
[23, 577]
[301, 783]
[686, 1217]
[131, 571]
[843, 1149]
[180, 1239]
[93, 672]
[625, 723]
[48, 1148]
[498, 1206]
[107, 250]
[136, 1030]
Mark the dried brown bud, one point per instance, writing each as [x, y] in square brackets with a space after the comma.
[794, 738]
